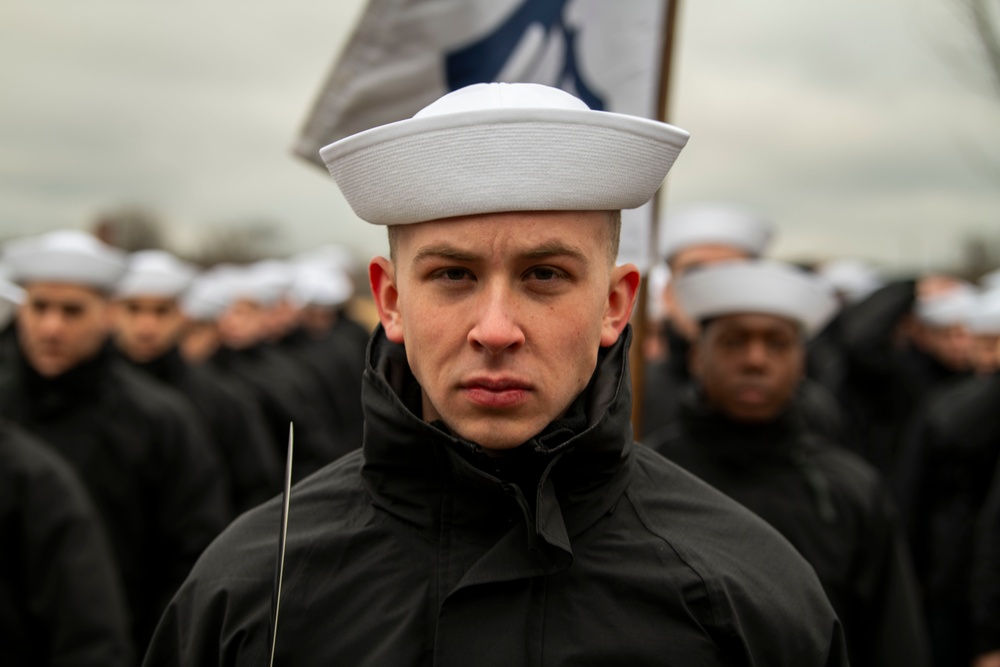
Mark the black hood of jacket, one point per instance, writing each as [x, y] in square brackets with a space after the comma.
[563, 479]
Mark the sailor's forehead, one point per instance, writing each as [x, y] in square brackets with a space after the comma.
[579, 231]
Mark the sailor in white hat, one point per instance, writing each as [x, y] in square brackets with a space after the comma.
[982, 323]
[202, 305]
[940, 331]
[707, 233]
[499, 512]
[948, 456]
[693, 236]
[137, 446]
[149, 323]
[148, 318]
[741, 430]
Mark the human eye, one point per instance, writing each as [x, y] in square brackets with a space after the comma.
[545, 275]
[780, 343]
[452, 274]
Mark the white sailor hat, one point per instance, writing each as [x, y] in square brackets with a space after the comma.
[854, 278]
[267, 281]
[769, 288]
[155, 273]
[495, 147]
[946, 309]
[716, 224]
[983, 315]
[207, 297]
[332, 256]
[320, 286]
[991, 280]
[67, 256]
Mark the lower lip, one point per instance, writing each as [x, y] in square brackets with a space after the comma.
[752, 396]
[496, 398]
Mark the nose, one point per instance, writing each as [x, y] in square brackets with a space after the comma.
[50, 323]
[755, 355]
[496, 328]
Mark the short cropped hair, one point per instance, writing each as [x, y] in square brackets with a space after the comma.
[614, 237]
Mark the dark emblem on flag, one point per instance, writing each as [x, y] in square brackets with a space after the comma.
[483, 61]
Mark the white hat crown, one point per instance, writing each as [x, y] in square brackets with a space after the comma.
[757, 287]
[716, 223]
[483, 96]
[155, 273]
[68, 256]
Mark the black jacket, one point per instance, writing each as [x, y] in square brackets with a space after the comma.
[137, 448]
[831, 506]
[61, 599]
[986, 574]
[286, 393]
[338, 365]
[577, 549]
[950, 454]
[234, 422]
[884, 379]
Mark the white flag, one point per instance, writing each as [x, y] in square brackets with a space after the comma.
[405, 54]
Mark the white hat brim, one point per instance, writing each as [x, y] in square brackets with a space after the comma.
[757, 288]
[496, 160]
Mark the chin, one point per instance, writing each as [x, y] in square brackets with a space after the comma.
[497, 436]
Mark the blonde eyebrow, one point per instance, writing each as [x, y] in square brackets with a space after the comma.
[546, 250]
[444, 251]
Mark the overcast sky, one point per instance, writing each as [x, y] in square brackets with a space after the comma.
[862, 127]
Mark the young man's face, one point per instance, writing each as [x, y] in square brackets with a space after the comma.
[60, 326]
[147, 327]
[243, 325]
[502, 316]
[749, 365]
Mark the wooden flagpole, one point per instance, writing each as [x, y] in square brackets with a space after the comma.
[640, 317]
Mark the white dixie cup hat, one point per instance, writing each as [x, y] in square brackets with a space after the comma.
[496, 147]
[764, 287]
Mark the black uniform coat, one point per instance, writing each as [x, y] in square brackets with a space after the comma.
[986, 574]
[61, 599]
[578, 549]
[234, 422]
[951, 451]
[338, 365]
[830, 505]
[885, 380]
[286, 393]
[137, 448]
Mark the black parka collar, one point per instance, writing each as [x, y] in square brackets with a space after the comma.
[412, 467]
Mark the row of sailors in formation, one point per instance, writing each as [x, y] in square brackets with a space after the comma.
[169, 395]
[904, 376]
[744, 420]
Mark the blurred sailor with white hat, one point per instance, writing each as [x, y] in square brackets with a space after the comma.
[741, 430]
[136, 445]
[148, 323]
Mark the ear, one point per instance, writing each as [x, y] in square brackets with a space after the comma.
[621, 298]
[382, 278]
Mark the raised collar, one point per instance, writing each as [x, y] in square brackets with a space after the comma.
[168, 367]
[737, 443]
[83, 384]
